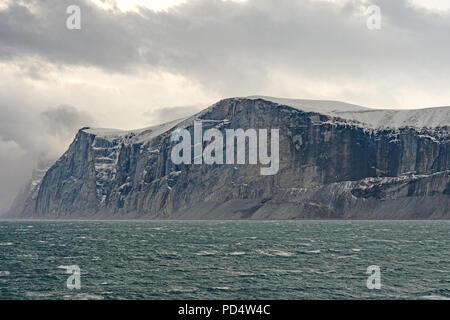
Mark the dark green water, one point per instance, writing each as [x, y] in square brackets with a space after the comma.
[225, 260]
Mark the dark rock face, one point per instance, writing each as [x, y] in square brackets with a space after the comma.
[330, 168]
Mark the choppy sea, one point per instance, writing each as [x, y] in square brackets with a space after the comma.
[224, 259]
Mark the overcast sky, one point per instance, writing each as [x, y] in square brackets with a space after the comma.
[137, 63]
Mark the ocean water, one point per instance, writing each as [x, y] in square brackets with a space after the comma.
[225, 259]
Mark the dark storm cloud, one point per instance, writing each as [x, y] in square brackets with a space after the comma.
[104, 40]
[228, 45]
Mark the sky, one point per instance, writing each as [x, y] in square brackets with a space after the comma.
[142, 62]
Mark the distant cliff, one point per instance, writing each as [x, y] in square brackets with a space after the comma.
[337, 161]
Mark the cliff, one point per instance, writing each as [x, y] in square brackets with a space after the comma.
[337, 161]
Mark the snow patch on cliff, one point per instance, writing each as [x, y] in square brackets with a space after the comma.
[372, 118]
[133, 136]
[358, 115]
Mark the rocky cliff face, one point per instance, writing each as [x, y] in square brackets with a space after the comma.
[330, 167]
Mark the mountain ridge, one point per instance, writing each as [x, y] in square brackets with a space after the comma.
[330, 167]
[332, 108]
